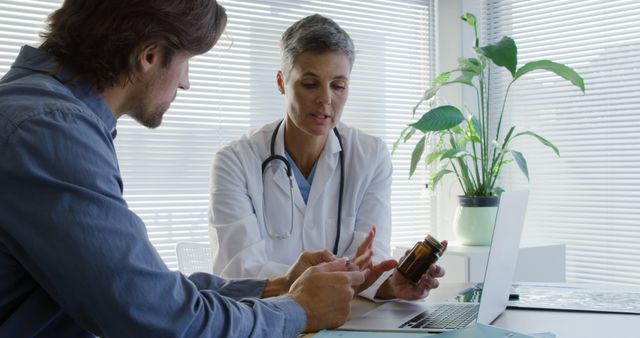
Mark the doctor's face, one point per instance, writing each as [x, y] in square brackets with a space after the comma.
[316, 90]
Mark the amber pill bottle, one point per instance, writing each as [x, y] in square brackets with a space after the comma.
[420, 258]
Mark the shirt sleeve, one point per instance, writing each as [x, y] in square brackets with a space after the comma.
[232, 219]
[71, 230]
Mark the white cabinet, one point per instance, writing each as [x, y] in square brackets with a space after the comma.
[536, 263]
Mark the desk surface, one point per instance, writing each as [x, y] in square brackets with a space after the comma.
[564, 324]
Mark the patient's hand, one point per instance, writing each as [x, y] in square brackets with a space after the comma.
[306, 260]
[280, 285]
[324, 292]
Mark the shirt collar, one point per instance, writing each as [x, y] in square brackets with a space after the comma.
[40, 61]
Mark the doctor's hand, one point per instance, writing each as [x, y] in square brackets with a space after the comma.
[362, 261]
[396, 286]
[325, 291]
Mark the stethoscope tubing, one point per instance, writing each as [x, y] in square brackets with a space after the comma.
[274, 157]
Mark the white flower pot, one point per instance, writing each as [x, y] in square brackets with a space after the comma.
[474, 219]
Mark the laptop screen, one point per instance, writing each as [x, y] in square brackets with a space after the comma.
[501, 265]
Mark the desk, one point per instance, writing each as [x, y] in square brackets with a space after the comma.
[563, 324]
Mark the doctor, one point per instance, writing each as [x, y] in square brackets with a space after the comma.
[308, 181]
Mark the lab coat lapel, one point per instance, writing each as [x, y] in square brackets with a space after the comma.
[282, 179]
[326, 168]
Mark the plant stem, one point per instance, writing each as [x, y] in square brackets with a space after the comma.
[484, 123]
[464, 190]
[495, 177]
[504, 103]
[496, 154]
[475, 153]
[463, 174]
[487, 113]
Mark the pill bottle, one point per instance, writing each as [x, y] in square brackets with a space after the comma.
[420, 258]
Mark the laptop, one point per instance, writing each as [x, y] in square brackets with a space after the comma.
[423, 316]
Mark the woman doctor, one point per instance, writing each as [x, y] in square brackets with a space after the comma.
[307, 182]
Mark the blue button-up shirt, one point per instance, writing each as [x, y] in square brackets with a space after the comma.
[74, 260]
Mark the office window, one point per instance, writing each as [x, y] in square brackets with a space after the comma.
[166, 170]
[588, 197]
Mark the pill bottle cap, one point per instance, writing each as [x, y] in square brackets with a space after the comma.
[434, 243]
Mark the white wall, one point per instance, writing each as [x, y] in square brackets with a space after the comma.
[450, 34]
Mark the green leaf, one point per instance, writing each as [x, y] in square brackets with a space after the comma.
[428, 95]
[440, 79]
[522, 162]
[559, 69]
[436, 177]
[507, 138]
[416, 155]
[454, 153]
[465, 77]
[498, 191]
[503, 54]
[495, 170]
[440, 118]
[470, 65]
[477, 128]
[433, 156]
[470, 19]
[396, 144]
[410, 133]
[458, 130]
[541, 139]
[472, 138]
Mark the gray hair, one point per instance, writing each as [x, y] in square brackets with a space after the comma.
[314, 33]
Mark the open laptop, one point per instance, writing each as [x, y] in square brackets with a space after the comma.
[423, 316]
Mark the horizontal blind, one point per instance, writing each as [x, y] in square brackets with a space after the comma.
[587, 198]
[166, 171]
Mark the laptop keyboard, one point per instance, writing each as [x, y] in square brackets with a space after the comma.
[444, 316]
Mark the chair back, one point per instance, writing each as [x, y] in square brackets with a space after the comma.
[194, 257]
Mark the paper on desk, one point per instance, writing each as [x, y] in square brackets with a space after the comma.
[577, 297]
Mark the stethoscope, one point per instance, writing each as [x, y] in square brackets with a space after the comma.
[274, 157]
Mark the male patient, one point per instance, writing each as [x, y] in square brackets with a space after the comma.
[74, 260]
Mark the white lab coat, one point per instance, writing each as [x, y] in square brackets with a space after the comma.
[241, 243]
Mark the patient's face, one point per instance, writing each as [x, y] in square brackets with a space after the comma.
[316, 90]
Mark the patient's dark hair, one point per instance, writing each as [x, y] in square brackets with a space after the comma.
[101, 39]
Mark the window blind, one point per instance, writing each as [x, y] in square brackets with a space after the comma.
[586, 198]
[166, 170]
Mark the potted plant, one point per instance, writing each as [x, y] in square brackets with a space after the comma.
[466, 144]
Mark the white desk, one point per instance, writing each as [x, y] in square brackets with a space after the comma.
[563, 324]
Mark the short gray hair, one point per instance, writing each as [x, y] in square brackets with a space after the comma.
[314, 33]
